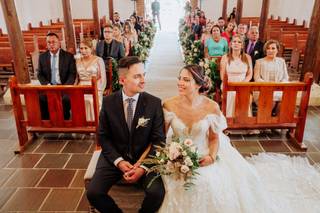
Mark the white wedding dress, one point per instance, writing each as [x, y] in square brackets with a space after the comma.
[263, 183]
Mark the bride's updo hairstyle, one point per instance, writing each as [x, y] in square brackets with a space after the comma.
[198, 75]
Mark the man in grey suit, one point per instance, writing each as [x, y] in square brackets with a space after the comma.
[109, 47]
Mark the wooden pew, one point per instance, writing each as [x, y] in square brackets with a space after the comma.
[287, 118]
[32, 122]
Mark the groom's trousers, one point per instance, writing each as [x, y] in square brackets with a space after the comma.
[107, 175]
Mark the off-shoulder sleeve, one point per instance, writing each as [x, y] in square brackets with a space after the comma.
[217, 123]
[168, 116]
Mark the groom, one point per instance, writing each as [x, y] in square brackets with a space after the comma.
[130, 120]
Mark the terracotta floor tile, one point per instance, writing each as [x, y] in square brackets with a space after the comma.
[25, 161]
[315, 156]
[71, 198]
[274, 146]
[57, 178]
[71, 136]
[5, 158]
[247, 147]
[236, 137]
[33, 145]
[78, 180]
[8, 146]
[5, 174]
[295, 148]
[79, 161]
[6, 134]
[84, 203]
[5, 115]
[50, 146]
[26, 199]
[25, 178]
[77, 146]
[5, 194]
[255, 137]
[53, 161]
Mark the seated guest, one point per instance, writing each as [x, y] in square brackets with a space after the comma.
[238, 67]
[56, 67]
[109, 47]
[221, 24]
[271, 69]
[197, 29]
[253, 46]
[228, 33]
[242, 31]
[206, 33]
[130, 34]
[118, 37]
[202, 19]
[89, 65]
[135, 24]
[116, 19]
[216, 45]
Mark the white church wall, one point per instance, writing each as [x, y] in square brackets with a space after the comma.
[35, 11]
[124, 7]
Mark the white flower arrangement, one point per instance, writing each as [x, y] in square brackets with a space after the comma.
[178, 159]
[142, 122]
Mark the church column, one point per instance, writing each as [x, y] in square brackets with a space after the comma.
[239, 11]
[16, 41]
[96, 21]
[264, 19]
[68, 27]
[140, 7]
[312, 52]
[111, 9]
[224, 9]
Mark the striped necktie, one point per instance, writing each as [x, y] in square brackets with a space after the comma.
[130, 112]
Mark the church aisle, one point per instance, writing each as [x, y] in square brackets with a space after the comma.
[163, 65]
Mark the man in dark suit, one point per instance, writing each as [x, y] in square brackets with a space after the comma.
[109, 47]
[130, 121]
[116, 19]
[56, 67]
[253, 46]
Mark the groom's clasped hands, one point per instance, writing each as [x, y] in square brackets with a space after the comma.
[131, 173]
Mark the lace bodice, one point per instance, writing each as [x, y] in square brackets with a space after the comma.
[199, 130]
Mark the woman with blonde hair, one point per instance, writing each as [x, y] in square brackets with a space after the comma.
[237, 66]
[89, 65]
[130, 34]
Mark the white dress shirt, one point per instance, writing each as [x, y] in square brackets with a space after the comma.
[125, 105]
[56, 65]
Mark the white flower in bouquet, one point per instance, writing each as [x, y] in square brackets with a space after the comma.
[188, 161]
[206, 66]
[184, 169]
[195, 50]
[174, 151]
[188, 142]
[195, 54]
[184, 153]
[207, 72]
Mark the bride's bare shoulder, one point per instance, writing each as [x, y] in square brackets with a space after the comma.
[170, 103]
[212, 106]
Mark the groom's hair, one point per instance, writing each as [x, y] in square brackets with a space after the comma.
[126, 62]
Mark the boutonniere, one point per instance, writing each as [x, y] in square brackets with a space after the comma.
[142, 122]
[256, 52]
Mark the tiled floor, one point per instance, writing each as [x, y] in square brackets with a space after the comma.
[48, 177]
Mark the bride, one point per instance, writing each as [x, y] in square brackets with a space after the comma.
[231, 184]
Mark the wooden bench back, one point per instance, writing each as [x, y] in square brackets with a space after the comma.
[286, 118]
[31, 121]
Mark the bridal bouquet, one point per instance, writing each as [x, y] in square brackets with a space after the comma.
[179, 159]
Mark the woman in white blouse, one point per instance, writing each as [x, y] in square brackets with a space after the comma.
[271, 69]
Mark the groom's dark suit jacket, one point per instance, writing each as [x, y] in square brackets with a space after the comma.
[114, 136]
